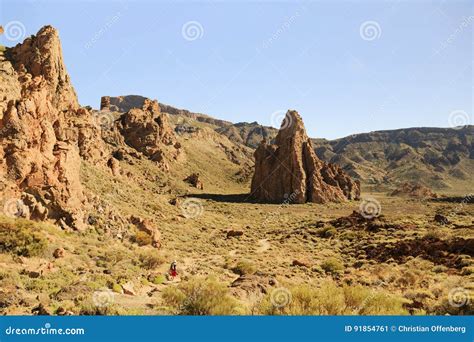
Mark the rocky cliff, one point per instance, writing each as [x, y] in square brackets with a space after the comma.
[289, 170]
[43, 133]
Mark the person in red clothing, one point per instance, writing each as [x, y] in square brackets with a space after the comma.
[174, 269]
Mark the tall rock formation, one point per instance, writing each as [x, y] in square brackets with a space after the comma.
[43, 133]
[289, 170]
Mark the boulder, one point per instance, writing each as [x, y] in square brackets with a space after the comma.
[195, 180]
[234, 233]
[129, 289]
[147, 226]
[59, 253]
[289, 171]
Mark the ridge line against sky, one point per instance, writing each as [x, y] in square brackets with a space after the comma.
[347, 67]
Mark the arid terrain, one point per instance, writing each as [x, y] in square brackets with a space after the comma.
[98, 202]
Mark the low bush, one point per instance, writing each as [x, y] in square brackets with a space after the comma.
[244, 267]
[201, 297]
[331, 299]
[332, 266]
[22, 237]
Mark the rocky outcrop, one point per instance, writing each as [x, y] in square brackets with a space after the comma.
[414, 190]
[122, 104]
[195, 180]
[41, 56]
[146, 226]
[44, 132]
[289, 170]
[147, 130]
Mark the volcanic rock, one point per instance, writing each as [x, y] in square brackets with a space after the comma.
[43, 132]
[148, 131]
[147, 227]
[195, 180]
[289, 170]
[414, 190]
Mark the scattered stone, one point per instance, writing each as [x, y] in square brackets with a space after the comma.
[290, 172]
[40, 310]
[194, 180]
[300, 263]
[128, 289]
[175, 201]
[234, 233]
[441, 219]
[114, 166]
[59, 253]
[63, 312]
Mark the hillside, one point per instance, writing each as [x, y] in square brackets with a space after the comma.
[441, 158]
[96, 204]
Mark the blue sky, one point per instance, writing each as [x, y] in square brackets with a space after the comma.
[251, 60]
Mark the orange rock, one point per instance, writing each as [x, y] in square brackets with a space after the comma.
[290, 172]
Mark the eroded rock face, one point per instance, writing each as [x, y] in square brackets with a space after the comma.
[289, 170]
[44, 132]
[147, 130]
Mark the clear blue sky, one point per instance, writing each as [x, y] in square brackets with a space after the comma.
[254, 58]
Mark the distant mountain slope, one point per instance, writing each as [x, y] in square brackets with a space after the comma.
[437, 157]
[250, 134]
[440, 158]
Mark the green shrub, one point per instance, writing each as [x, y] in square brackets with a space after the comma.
[22, 237]
[142, 239]
[327, 232]
[244, 267]
[159, 279]
[331, 299]
[332, 266]
[150, 260]
[201, 297]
